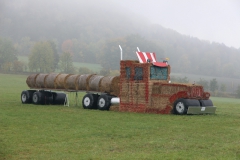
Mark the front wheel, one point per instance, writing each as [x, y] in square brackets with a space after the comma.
[180, 107]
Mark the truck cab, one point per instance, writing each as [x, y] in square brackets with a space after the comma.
[145, 87]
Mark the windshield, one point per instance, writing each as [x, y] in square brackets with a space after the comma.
[158, 73]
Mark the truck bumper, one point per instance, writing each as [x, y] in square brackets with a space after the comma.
[201, 110]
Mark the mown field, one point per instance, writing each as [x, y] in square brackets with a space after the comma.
[58, 132]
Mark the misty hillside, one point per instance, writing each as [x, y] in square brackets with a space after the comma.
[94, 31]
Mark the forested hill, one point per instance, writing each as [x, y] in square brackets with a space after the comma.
[92, 32]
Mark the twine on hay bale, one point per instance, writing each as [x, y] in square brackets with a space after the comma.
[59, 81]
[71, 82]
[83, 82]
[49, 80]
[94, 82]
[40, 79]
[110, 84]
[31, 80]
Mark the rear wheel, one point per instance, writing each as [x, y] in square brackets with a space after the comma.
[37, 98]
[89, 101]
[103, 102]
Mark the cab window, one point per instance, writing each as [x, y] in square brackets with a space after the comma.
[158, 73]
[138, 73]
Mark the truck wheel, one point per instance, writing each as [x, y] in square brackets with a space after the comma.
[180, 107]
[89, 101]
[206, 103]
[103, 102]
[37, 98]
[25, 97]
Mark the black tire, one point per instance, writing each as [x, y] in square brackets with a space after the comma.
[59, 98]
[37, 98]
[104, 102]
[180, 107]
[206, 102]
[89, 101]
[25, 97]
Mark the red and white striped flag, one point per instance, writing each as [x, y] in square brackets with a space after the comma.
[146, 57]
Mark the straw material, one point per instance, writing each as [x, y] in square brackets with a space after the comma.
[49, 80]
[114, 108]
[31, 80]
[83, 82]
[60, 81]
[110, 84]
[94, 82]
[40, 81]
[71, 82]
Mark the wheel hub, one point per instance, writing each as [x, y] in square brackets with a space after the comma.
[24, 97]
[87, 101]
[180, 107]
[101, 102]
[35, 98]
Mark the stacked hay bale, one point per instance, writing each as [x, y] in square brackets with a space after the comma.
[94, 83]
[134, 90]
[40, 81]
[70, 82]
[83, 82]
[31, 80]
[110, 84]
[50, 79]
[59, 81]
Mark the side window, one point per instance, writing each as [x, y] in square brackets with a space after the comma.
[159, 73]
[138, 73]
[128, 72]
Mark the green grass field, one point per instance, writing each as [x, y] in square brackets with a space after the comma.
[58, 132]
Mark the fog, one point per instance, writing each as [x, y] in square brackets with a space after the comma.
[196, 35]
[213, 20]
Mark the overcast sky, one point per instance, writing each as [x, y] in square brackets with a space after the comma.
[213, 20]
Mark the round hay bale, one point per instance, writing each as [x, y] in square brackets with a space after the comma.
[83, 82]
[49, 80]
[59, 81]
[115, 89]
[71, 82]
[40, 81]
[94, 82]
[109, 84]
[31, 80]
[105, 84]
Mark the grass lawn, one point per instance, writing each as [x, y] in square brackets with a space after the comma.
[58, 132]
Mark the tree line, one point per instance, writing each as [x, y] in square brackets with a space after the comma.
[92, 34]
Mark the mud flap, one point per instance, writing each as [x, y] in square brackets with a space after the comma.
[201, 110]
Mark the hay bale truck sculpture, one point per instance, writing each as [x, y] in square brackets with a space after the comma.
[143, 86]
